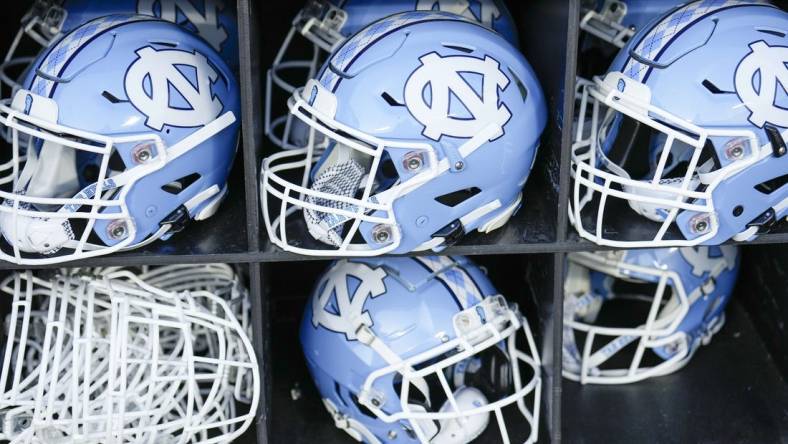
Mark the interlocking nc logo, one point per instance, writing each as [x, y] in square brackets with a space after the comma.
[160, 69]
[348, 313]
[444, 76]
[760, 97]
[206, 22]
[488, 10]
[702, 261]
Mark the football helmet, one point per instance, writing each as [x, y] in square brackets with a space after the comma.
[422, 349]
[637, 314]
[423, 127]
[326, 24]
[616, 21]
[47, 20]
[126, 130]
[688, 130]
[97, 356]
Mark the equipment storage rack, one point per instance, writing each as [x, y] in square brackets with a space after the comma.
[735, 390]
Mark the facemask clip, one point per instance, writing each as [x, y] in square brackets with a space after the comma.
[177, 220]
[764, 222]
[451, 233]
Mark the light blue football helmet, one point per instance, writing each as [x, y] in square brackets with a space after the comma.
[422, 349]
[46, 20]
[424, 126]
[616, 21]
[687, 130]
[326, 24]
[130, 126]
[636, 314]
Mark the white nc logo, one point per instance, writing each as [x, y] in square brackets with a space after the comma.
[349, 310]
[160, 69]
[444, 77]
[769, 63]
[702, 262]
[206, 23]
[488, 10]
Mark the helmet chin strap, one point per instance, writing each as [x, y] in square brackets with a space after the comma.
[653, 211]
[459, 430]
[31, 234]
[466, 429]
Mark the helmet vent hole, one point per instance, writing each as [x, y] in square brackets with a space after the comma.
[714, 89]
[111, 97]
[338, 391]
[738, 210]
[457, 197]
[772, 185]
[177, 186]
[773, 32]
[520, 86]
[163, 43]
[391, 100]
[362, 408]
[459, 47]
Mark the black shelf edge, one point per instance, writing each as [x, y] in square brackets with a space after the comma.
[575, 243]
[570, 76]
[261, 341]
[251, 98]
[135, 259]
[144, 257]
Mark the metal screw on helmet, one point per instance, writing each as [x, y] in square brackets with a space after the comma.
[672, 348]
[700, 224]
[375, 402]
[381, 233]
[117, 229]
[392, 434]
[413, 161]
[142, 153]
[459, 165]
[734, 149]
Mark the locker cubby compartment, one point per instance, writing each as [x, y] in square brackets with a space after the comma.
[222, 237]
[297, 414]
[250, 436]
[533, 227]
[734, 389]
[620, 222]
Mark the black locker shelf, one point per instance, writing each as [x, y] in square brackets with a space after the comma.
[731, 391]
[549, 39]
